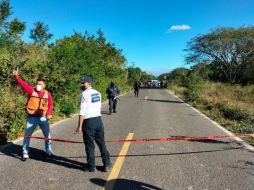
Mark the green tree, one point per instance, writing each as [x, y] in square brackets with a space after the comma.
[203, 70]
[5, 11]
[247, 72]
[146, 77]
[178, 75]
[134, 74]
[226, 49]
[40, 33]
[17, 27]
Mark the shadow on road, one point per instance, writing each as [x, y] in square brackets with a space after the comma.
[165, 101]
[125, 184]
[212, 141]
[157, 88]
[248, 163]
[164, 154]
[104, 112]
[14, 150]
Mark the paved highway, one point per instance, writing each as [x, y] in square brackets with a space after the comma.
[179, 165]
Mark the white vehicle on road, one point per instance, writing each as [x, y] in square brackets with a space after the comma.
[154, 83]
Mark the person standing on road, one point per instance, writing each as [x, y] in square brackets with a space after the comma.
[91, 125]
[39, 110]
[136, 87]
[161, 84]
[113, 94]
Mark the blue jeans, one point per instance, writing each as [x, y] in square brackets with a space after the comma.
[31, 124]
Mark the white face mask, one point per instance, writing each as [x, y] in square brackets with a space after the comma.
[38, 87]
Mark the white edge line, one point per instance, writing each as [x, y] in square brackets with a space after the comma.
[239, 140]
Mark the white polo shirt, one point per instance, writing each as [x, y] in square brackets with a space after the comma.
[90, 103]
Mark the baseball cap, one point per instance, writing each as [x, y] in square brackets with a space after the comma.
[86, 79]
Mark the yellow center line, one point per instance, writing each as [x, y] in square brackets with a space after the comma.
[118, 164]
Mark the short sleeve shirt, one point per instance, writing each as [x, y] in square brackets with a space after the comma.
[90, 103]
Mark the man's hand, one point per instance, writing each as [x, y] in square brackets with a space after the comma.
[49, 117]
[78, 130]
[80, 124]
[15, 72]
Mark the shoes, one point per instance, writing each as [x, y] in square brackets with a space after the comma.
[49, 154]
[88, 169]
[107, 168]
[110, 112]
[25, 156]
[114, 111]
[91, 169]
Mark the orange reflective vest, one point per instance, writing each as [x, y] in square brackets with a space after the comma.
[37, 106]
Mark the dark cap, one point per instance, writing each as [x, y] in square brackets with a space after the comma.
[86, 79]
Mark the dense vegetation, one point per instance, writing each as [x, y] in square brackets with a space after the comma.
[221, 79]
[62, 63]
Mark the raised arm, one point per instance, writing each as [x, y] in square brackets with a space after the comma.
[28, 88]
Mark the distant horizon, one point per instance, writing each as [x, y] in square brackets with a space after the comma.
[151, 34]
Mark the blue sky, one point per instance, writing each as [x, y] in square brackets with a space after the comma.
[141, 28]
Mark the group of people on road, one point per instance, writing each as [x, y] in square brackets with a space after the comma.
[39, 111]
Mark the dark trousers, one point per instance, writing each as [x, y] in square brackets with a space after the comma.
[93, 130]
[136, 91]
[112, 104]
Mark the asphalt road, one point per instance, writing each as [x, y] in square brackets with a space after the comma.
[196, 165]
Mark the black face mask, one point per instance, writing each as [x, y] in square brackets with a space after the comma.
[83, 88]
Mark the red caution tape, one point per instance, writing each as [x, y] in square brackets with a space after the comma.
[141, 140]
[41, 138]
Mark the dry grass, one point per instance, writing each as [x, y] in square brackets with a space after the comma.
[217, 93]
[230, 105]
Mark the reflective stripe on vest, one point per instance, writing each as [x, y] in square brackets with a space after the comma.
[36, 105]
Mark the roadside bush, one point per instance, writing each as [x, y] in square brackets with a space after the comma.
[242, 127]
[203, 70]
[12, 117]
[234, 112]
[5, 66]
[194, 86]
[67, 109]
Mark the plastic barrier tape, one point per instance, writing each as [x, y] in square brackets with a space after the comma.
[141, 139]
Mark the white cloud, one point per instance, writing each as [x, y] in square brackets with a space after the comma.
[178, 27]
